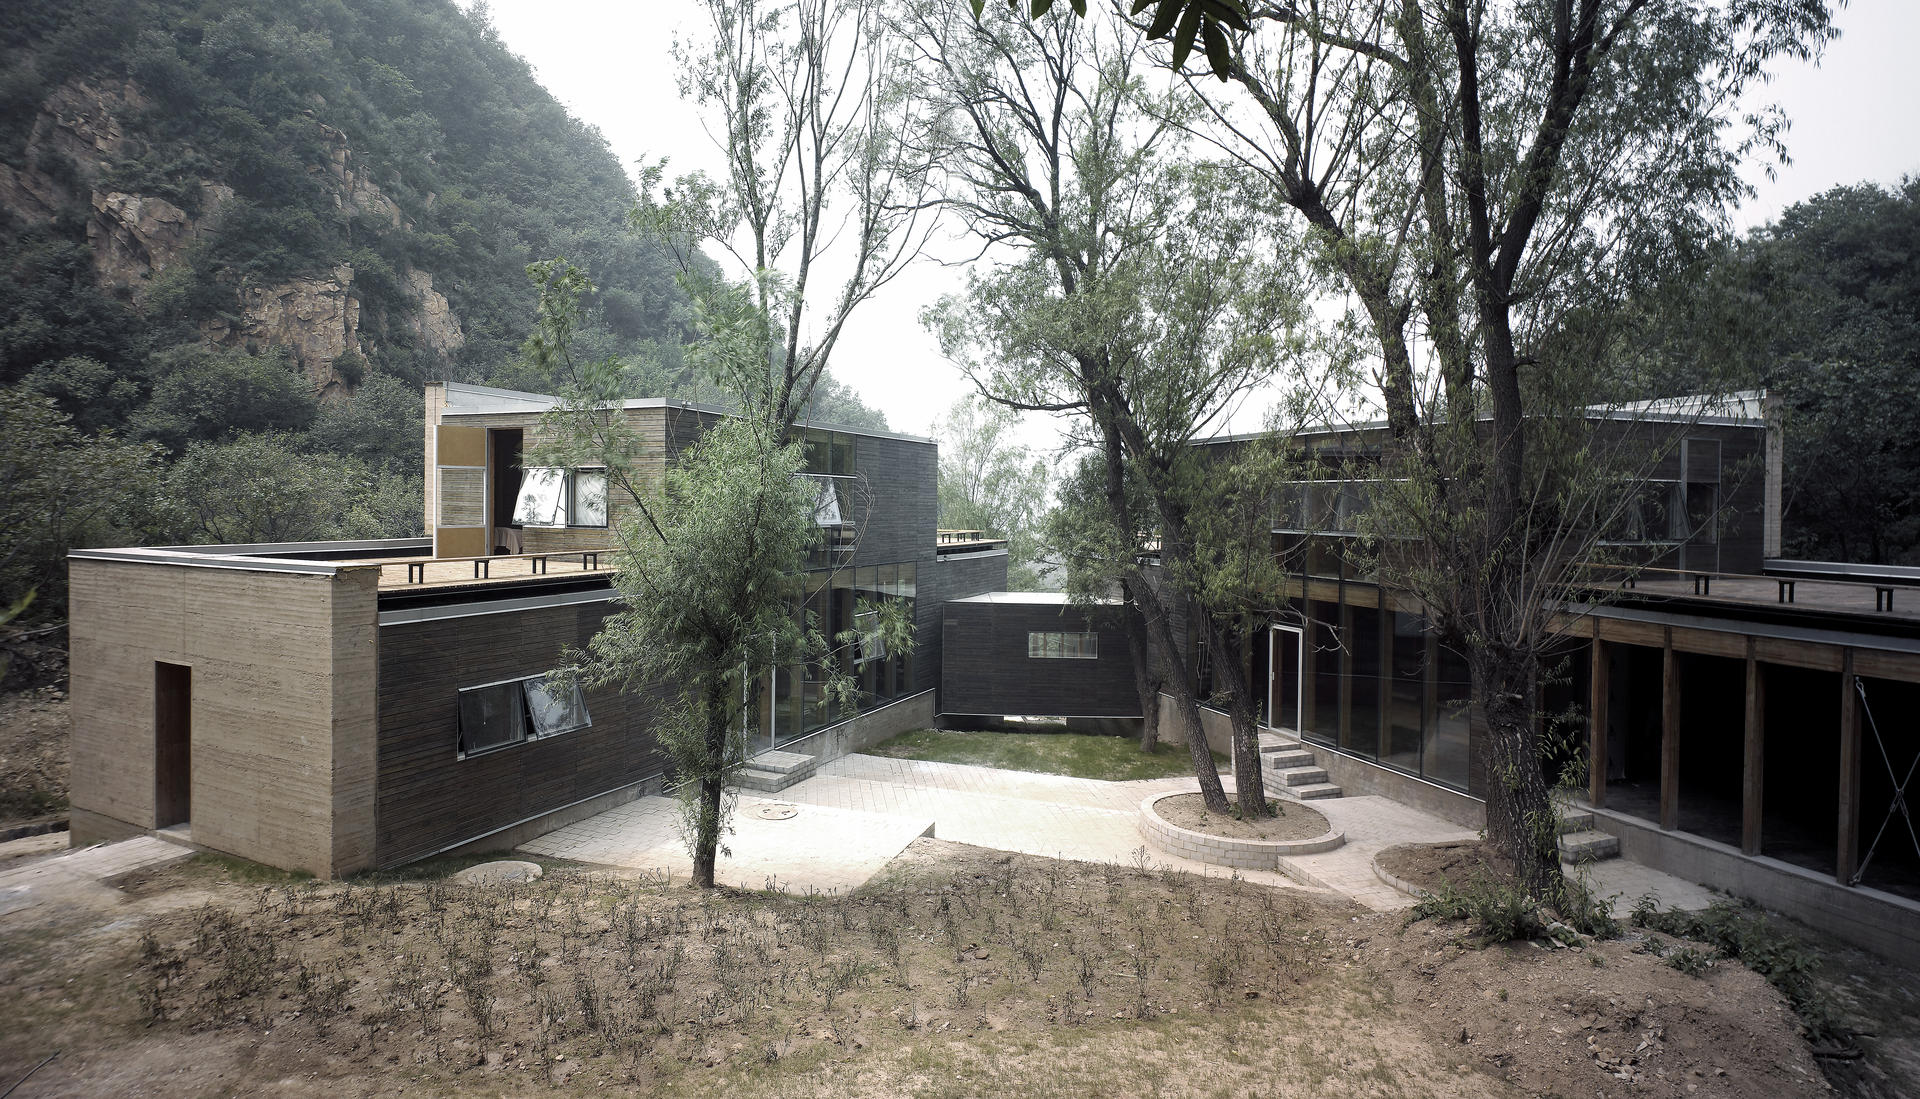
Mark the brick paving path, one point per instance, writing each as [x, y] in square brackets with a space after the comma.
[819, 849]
[28, 885]
[858, 811]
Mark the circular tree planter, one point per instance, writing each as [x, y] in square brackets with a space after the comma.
[1242, 854]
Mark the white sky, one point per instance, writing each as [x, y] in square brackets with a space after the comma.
[1855, 117]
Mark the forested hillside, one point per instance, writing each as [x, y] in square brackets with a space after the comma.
[237, 237]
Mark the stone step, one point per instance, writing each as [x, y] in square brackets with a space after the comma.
[1302, 776]
[1277, 742]
[1290, 757]
[1315, 790]
[1588, 846]
[780, 762]
[1575, 820]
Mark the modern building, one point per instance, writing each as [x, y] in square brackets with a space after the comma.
[1748, 720]
[337, 706]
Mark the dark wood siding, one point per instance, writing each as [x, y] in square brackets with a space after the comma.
[986, 669]
[940, 581]
[426, 797]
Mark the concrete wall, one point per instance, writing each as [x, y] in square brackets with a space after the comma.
[1867, 918]
[863, 731]
[1352, 774]
[282, 705]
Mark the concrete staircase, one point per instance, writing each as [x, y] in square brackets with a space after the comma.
[774, 771]
[1290, 769]
[1580, 841]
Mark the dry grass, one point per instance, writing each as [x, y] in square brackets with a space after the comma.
[958, 971]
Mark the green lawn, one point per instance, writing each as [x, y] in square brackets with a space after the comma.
[1081, 755]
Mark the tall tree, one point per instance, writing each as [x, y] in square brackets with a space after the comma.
[1472, 173]
[990, 482]
[800, 100]
[1135, 295]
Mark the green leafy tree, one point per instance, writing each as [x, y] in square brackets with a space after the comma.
[201, 394]
[267, 487]
[60, 490]
[803, 97]
[1475, 177]
[1840, 273]
[1144, 292]
[990, 482]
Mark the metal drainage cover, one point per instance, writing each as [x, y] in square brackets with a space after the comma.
[776, 810]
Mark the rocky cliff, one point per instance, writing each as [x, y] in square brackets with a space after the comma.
[78, 134]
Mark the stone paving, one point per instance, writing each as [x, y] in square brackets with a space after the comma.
[858, 811]
[817, 849]
[29, 885]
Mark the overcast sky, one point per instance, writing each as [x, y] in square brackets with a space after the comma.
[1854, 118]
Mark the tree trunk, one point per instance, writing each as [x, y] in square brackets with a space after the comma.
[1146, 677]
[1230, 674]
[706, 846]
[713, 788]
[1520, 819]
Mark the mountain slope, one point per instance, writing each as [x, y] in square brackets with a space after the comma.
[359, 184]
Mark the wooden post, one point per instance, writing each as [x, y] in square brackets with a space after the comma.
[1669, 735]
[1753, 782]
[1597, 722]
[1849, 854]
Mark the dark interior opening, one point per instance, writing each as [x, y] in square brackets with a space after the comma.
[1799, 819]
[1894, 865]
[172, 744]
[1564, 675]
[504, 476]
[1633, 720]
[1713, 707]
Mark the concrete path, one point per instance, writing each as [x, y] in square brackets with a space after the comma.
[35, 882]
[857, 812]
[816, 849]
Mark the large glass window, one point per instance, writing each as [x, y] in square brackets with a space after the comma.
[1363, 707]
[1447, 738]
[552, 497]
[1407, 695]
[1329, 655]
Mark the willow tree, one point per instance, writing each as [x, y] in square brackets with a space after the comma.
[1134, 288]
[815, 211]
[1489, 181]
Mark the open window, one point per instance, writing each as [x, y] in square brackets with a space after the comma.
[512, 711]
[551, 497]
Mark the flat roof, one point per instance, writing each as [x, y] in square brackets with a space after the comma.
[467, 399]
[1739, 409]
[1040, 598]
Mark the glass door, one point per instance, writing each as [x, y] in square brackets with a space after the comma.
[1283, 678]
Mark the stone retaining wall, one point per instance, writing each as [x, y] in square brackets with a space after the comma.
[1243, 854]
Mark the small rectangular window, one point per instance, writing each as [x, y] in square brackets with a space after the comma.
[491, 717]
[587, 498]
[542, 501]
[555, 709]
[1050, 645]
[496, 715]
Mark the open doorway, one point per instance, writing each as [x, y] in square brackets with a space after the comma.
[1283, 678]
[172, 744]
[503, 483]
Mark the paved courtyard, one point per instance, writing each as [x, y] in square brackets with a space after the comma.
[857, 812]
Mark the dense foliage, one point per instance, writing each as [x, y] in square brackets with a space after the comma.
[487, 170]
[1842, 272]
[393, 137]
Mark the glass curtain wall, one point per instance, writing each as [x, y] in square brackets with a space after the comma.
[838, 603]
[1380, 687]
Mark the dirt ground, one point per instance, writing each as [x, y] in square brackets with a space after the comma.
[34, 764]
[1294, 822]
[1426, 865]
[957, 971]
